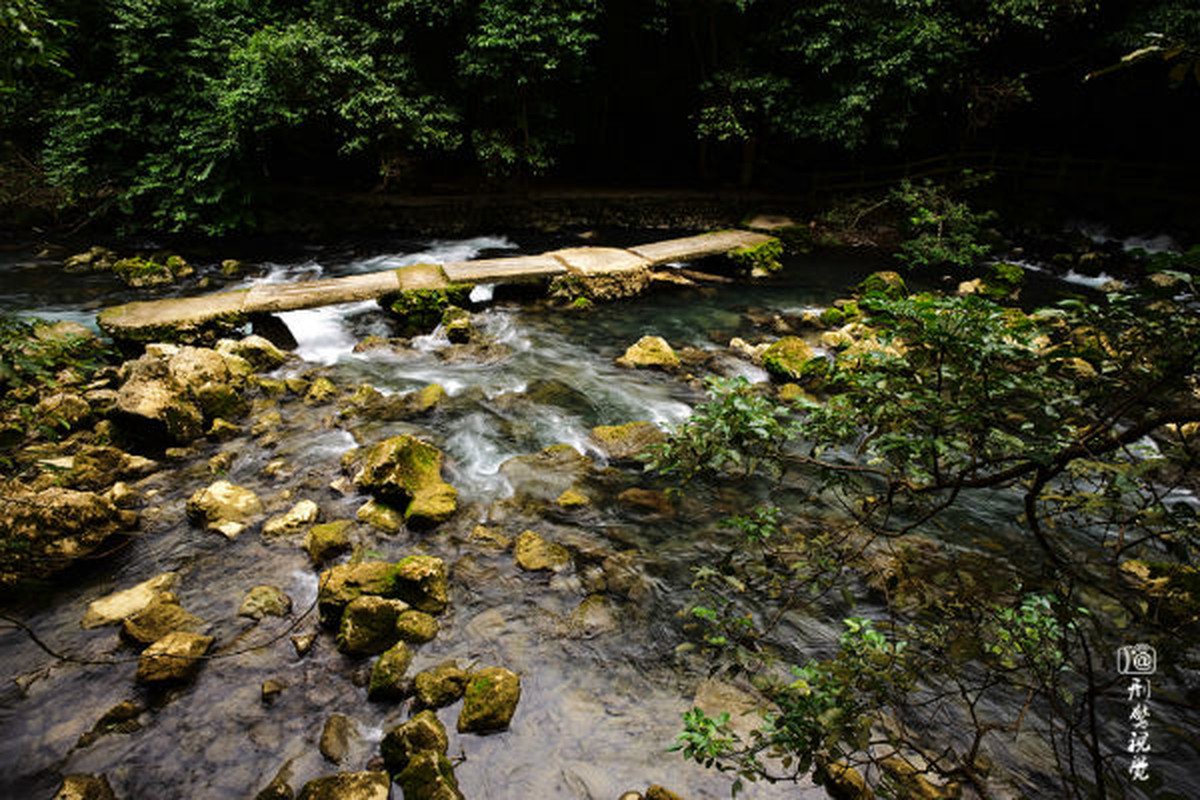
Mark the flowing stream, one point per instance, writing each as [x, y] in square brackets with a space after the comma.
[602, 697]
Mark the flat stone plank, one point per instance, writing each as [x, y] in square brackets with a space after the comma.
[702, 246]
[422, 276]
[599, 260]
[182, 312]
[271, 297]
[496, 270]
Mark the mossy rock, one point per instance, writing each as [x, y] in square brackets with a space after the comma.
[535, 554]
[328, 540]
[887, 283]
[368, 625]
[456, 324]
[421, 582]
[164, 615]
[627, 442]
[141, 273]
[786, 358]
[649, 352]
[759, 260]
[424, 733]
[341, 584]
[387, 674]
[416, 627]
[429, 776]
[440, 686]
[381, 516]
[348, 786]
[405, 470]
[490, 700]
[573, 498]
[321, 390]
[419, 311]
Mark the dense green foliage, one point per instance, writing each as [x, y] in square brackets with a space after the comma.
[184, 114]
[1085, 416]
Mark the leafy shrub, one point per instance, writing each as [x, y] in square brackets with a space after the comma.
[938, 229]
[736, 430]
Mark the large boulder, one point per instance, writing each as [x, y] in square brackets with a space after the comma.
[407, 471]
[368, 625]
[45, 530]
[490, 700]
[225, 508]
[162, 407]
[173, 658]
[419, 581]
[651, 352]
[169, 394]
[348, 786]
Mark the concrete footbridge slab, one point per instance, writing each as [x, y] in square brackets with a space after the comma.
[153, 319]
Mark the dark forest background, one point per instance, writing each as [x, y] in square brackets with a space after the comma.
[183, 115]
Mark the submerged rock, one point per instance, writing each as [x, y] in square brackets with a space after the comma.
[649, 352]
[490, 700]
[408, 471]
[545, 475]
[348, 786]
[175, 657]
[115, 607]
[335, 737]
[368, 625]
[265, 601]
[534, 554]
[224, 507]
[593, 617]
[440, 686]
[387, 674]
[424, 733]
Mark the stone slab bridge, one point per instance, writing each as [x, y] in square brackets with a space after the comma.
[169, 318]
